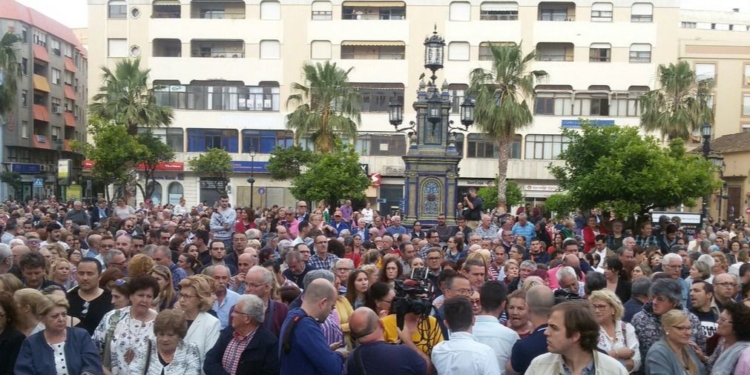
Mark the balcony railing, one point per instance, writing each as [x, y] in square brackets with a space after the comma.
[218, 54]
[554, 57]
[381, 56]
[498, 17]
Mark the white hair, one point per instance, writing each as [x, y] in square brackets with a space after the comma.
[565, 271]
[708, 259]
[668, 258]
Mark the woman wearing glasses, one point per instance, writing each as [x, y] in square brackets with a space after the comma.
[167, 352]
[674, 353]
[734, 330]
[616, 337]
[195, 299]
[58, 349]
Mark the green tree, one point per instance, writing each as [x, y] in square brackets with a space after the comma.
[617, 168]
[501, 108]
[126, 98]
[513, 194]
[216, 163]
[8, 71]
[286, 163]
[562, 204]
[156, 151]
[13, 180]
[680, 105]
[331, 177]
[327, 107]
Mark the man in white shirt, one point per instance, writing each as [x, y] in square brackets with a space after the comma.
[462, 354]
[487, 328]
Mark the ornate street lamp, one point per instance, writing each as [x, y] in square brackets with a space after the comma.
[395, 112]
[434, 52]
[467, 112]
[706, 133]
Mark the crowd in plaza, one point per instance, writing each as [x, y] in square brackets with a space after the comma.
[114, 289]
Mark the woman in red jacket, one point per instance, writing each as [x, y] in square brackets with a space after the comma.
[590, 232]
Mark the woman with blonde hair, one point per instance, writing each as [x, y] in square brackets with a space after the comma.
[57, 251]
[372, 256]
[140, 264]
[166, 298]
[10, 283]
[511, 271]
[60, 273]
[195, 300]
[27, 300]
[673, 354]
[616, 338]
[372, 272]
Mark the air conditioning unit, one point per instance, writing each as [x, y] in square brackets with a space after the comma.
[56, 110]
[55, 138]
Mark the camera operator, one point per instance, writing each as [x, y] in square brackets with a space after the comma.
[422, 328]
[473, 203]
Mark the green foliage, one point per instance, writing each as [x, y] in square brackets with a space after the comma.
[114, 151]
[216, 163]
[617, 168]
[680, 105]
[501, 109]
[9, 71]
[286, 163]
[126, 98]
[13, 179]
[561, 204]
[332, 176]
[513, 195]
[327, 107]
[156, 151]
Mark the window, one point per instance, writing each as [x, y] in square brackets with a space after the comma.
[202, 140]
[746, 104]
[704, 71]
[555, 52]
[55, 133]
[320, 50]
[56, 47]
[545, 147]
[270, 10]
[118, 9]
[600, 52]
[746, 80]
[485, 53]
[625, 105]
[40, 38]
[265, 141]
[24, 129]
[68, 50]
[642, 12]
[498, 11]
[25, 66]
[460, 11]
[380, 144]
[688, 25]
[458, 51]
[553, 104]
[24, 34]
[322, 10]
[601, 12]
[555, 12]
[172, 137]
[355, 51]
[56, 73]
[69, 105]
[270, 49]
[218, 96]
[457, 93]
[377, 96]
[68, 78]
[25, 98]
[482, 147]
[56, 103]
[117, 48]
[640, 53]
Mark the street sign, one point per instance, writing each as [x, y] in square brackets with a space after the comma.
[261, 190]
[38, 182]
[381, 200]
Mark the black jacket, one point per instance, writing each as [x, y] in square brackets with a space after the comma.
[94, 214]
[260, 357]
[10, 342]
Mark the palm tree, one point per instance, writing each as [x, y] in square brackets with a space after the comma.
[126, 98]
[327, 106]
[501, 108]
[8, 71]
[680, 105]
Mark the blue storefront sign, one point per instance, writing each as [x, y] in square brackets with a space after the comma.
[249, 166]
[26, 168]
[574, 124]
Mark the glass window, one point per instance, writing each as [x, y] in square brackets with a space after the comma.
[270, 10]
[705, 71]
[172, 137]
[485, 53]
[320, 50]
[746, 105]
[40, 37]
[746, 80]
[457, 93]
[25, 98]
[219, 98]
[379, 144]
[117, 48]
[460, 11]
[56, 73]
[625, 105]
[24, 66]
[322, 10]
[202, 140]
[498, 11]
[553, 104]
[601, 12]
[24, 129]
[56, 47]
[118, 9]
[376, 99]
[545, 147]
[600, 52]
[640, 53]
[265, 141]
[482, 147]
[642, 12]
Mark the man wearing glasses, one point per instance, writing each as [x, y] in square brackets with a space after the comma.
[322, 260]
[302, 213]
[672, 266]
[433, 240]
[725, 288]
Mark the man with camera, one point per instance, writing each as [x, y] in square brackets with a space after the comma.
[473, 212]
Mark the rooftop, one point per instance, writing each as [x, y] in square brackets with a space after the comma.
[739, 142]
[10, 9]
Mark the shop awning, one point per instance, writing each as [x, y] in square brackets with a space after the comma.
[374, 4]
[70, 93]
[40, 83]
[167, 3]
[70, 120]
[40, 141]
[70, 65]
[41, 113]
[40, 53]
[374, 44]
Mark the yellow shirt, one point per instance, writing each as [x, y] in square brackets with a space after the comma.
[430, 326]
[344, 308]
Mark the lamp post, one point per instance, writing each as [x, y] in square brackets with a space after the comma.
[717, 160]
[251, 179]
[706, 133]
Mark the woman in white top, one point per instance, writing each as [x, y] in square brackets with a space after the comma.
[168, 353]
[122, 210]
[121, 332]
[367, 213]
[616, 337]
[195, 299]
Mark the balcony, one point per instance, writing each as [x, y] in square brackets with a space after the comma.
[498, 11]
[185, 70]
[372, 51]
[557, 11]
[167, 48]
[392, 10]
[216, 10]
[217, 48]
[555, 52]
[167, 9]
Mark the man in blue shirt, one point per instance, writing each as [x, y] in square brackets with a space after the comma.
[396, 228]
[524, 228]
[303, 348]
[539, 300]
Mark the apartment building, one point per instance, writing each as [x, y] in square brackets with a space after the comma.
[226, 67]
[50, 108]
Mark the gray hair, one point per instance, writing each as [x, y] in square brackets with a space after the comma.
[149, 250]
[265, 274]
[110, 254]
[318, 274]
[640, 287]
[565, 271]
[17, 241]
[528, 264]
[708, 259]
[705, 244]
[668, 288]
[253, 234]
[5, 253]
[668, 258]
[346, 232]
[348, 261]
[292, 255]
[253, 307]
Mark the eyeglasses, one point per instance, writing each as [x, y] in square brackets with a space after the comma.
[682, 328]
[599, 307]
[185, 296]
[727, 284]
[474, 301]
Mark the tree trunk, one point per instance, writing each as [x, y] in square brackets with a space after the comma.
[502, 170]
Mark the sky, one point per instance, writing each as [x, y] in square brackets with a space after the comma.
[74, 13]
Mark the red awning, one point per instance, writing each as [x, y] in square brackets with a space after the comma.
[40, 53]
[70, 65]
[70, 120]
[170, 166]
[40, 141]
[70, 93]
[88, 164]
[41, 113]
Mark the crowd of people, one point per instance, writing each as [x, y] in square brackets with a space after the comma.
[221, 290]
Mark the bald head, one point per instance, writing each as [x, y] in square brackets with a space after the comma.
[540, 300]
[318, 290]
[364, 323]
[572, 260]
